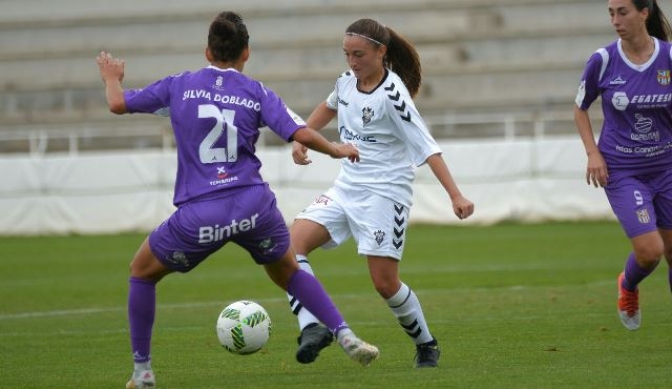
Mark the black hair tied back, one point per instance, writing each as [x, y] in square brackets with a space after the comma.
[227, 37]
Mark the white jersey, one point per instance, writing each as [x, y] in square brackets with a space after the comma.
[387, 129]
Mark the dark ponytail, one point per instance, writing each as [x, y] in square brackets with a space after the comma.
[657, 24]
[401, 56]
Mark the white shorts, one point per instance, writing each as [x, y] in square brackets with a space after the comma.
[377, 224]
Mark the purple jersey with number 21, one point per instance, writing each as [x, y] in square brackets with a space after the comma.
[216, 115]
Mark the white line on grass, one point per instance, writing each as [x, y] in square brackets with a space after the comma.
[90, 311]
[93, 311]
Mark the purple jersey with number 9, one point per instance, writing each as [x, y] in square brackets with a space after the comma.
[216, 115]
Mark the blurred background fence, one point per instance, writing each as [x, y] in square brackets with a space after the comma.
[499, 79]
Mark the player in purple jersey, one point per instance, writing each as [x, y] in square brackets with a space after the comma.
[633, 157]
[373, 102]
[216, 114]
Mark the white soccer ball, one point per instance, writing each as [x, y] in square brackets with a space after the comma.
[243, 327]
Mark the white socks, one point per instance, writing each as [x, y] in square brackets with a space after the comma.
[407, 309]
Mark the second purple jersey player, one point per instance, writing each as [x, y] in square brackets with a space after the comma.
[632, 160]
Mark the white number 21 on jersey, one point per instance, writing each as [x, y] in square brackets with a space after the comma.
[224, 123]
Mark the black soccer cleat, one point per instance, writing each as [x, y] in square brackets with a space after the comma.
[427, 354]
[312, 340]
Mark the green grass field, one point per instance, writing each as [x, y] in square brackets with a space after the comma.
[513, 306]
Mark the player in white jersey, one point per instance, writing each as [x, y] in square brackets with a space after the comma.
[370, 201]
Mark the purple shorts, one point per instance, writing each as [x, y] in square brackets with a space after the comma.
[249, 218]
[642, 203]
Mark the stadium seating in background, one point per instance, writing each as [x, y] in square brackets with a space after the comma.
[480, 57]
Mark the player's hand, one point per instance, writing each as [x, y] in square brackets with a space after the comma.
[300, 154]
[347, 150]
[596, 172]
[110, 68]
[462, 207]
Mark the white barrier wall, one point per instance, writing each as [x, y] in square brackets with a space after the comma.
[524, 180]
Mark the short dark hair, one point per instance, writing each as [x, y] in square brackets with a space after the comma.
[227, 37]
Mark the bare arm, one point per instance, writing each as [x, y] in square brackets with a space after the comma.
[315, 141]
[462, 207]
[112, 73]
[596, 171]
[320, 117]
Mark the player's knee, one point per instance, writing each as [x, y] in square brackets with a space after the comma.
[282, 270]
[148, 270]
[386, 288]
[649, 256]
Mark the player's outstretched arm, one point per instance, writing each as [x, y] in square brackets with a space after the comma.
[315, 141]
[112, 73]
[320, 117]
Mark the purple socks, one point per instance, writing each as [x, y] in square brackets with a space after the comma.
[308, 290]
[634, 274]
[141, 310]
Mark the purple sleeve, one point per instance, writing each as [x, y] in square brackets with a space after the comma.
[589, 88]
[278, 117]
[150, 98]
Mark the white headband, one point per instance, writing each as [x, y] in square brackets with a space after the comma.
[365, 37]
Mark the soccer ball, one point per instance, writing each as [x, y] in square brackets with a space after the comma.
[243, 327]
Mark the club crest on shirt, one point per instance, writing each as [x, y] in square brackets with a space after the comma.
[379, 236]
[219, 83]
[663, 77]
[643, 216]
[367, 114]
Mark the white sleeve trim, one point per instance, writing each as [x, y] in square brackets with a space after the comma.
[605, 61]
[332, 100]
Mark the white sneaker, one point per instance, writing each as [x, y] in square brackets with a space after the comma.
[141, 379]
[628, 306]
[358, 350]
